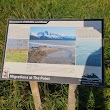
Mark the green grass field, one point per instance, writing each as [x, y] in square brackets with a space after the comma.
[16, 56]
[16, 95]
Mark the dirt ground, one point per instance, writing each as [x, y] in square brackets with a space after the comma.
[36, 54]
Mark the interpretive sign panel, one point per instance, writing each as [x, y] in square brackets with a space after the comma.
[56, 51]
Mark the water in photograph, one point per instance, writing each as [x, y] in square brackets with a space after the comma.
[88, 52]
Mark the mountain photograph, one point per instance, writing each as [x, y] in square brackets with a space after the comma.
[52, 45]
[52, 33]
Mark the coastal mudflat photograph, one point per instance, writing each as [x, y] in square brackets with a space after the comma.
[52, 45]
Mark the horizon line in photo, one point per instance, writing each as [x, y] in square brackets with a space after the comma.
[52, 33]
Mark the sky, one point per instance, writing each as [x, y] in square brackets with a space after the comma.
[63, 31]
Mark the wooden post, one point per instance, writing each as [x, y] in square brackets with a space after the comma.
[72, 96]
[36, 95]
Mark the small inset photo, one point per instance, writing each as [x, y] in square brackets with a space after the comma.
[5, 73]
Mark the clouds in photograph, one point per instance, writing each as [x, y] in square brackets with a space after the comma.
[63, 31]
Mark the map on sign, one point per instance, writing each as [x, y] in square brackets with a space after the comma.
[54, 51]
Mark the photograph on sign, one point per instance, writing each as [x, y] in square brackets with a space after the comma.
[52, 45]
[54, 51]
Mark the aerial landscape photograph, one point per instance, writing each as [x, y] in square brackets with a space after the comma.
[47, 46]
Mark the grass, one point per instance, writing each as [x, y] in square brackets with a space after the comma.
[16, 56]
[17, 95]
